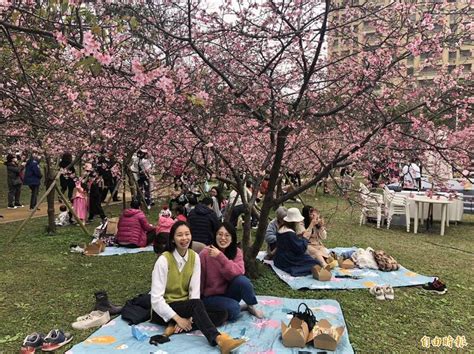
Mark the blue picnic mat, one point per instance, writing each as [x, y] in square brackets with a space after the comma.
[368, 277]
[113, 250]
[263, 335]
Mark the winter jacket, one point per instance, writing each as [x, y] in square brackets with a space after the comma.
[203, 222]
[32, 173]
[164, 224]
[13, 174]
[271, 233]
[218, 272]
[133, 227]
[291, 256]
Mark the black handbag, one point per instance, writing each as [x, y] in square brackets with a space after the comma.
[306, 315]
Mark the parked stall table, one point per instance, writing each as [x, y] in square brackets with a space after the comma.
[456, 210]
[420, 200]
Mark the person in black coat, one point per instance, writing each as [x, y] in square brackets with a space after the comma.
[32, 178]
[66, 179]
[203, 222]
[14, 181]
[95, 194]
[105, 165]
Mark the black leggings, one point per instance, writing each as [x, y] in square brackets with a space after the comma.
[206, 319]
[67, 184]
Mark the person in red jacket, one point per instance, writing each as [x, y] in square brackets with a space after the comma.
[133, 229]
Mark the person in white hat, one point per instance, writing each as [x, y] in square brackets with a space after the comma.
[290, 254]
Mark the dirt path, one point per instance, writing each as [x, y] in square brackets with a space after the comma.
[19, 214]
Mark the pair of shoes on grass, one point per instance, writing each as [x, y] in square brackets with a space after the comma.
[436, 287]
[55, 339]
[384, 292]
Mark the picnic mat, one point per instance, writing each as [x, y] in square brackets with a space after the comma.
[368, 277]
[112, 250]
[263, 335]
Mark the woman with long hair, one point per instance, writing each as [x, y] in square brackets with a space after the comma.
[316, 232]
[175, 292]
[223, 283]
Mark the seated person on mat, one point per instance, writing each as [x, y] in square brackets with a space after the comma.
[290, 254]
[223, 283]
[175, 293]
[316, 232]
[272, 230]
[133, 229]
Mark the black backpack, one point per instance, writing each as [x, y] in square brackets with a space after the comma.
[137, 310]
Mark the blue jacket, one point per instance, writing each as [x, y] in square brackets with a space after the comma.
[291, 256]
[32, 173]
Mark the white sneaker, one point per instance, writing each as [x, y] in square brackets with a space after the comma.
[77, 249]
[388, 292]
[94, 319]
[378, 292]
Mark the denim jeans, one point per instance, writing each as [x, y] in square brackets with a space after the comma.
[240, 288]
[239, 210]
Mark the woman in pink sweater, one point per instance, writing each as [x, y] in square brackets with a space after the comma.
[223, 283]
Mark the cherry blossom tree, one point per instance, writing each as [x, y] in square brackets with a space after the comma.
[248, 88]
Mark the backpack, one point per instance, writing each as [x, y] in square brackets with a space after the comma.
[137, 310]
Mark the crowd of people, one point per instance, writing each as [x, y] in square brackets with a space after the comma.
[85, 191]
[22, 170]
[198, 281]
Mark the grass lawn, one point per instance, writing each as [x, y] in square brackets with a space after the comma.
[43, 286]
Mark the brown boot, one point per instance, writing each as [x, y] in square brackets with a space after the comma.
[226, 343]
[169, 331]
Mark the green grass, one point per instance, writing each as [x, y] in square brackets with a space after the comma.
[43, 286]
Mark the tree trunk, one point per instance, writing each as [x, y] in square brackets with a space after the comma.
[124, 182]
[251, 266]
[49, 180]
[252, 252]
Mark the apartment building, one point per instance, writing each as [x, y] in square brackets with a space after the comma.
[363, 33]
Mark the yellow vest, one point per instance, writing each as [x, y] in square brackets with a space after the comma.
[177, 284]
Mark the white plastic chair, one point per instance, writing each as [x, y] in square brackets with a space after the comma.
[371, 205]
[396, 204]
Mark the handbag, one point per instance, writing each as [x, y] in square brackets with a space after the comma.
[385, 262]
[100, 231]
[306, 315]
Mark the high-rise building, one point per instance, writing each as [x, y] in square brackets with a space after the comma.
[363, 33]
